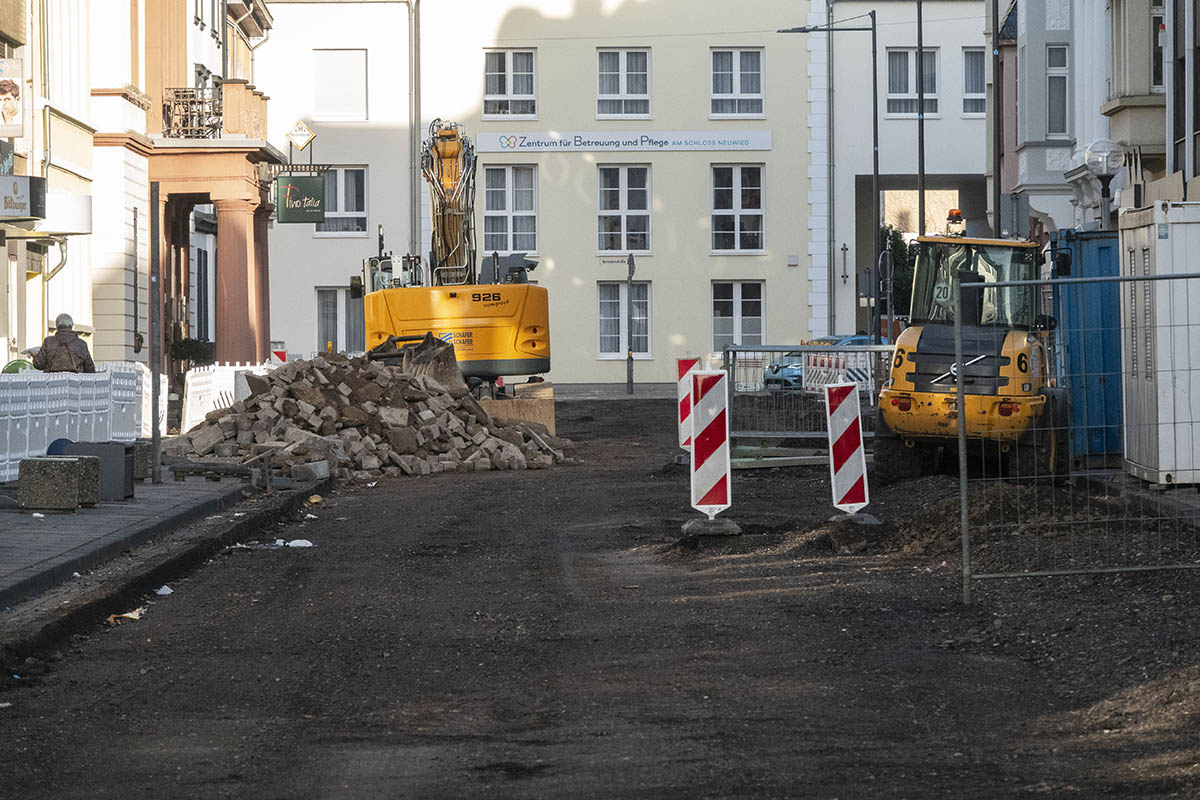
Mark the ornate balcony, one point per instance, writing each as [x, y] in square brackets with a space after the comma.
[192, 113]
[233, 109]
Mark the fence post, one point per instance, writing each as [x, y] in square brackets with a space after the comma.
[962, 442]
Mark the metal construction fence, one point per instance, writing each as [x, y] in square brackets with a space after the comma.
[1097, 471]
[776, 391]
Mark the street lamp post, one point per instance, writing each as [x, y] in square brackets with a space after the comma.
[1103, 159]
[874, 127]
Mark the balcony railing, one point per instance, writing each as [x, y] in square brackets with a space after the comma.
[192, 113]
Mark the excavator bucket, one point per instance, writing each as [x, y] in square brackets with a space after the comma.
[426, 356]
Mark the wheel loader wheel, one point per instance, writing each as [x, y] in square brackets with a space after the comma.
[895, 461]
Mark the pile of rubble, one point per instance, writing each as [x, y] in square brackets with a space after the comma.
[364, 419]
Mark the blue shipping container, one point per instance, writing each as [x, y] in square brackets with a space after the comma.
[1089, 338]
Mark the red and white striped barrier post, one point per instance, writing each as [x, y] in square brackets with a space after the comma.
[684, 391]
[710, 442]
[847, 459]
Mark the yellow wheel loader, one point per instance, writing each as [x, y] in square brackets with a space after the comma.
[1015, 414]
[498, 326]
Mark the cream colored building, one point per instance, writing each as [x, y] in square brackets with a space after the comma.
[673, 130]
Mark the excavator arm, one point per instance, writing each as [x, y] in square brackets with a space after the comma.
[448, 163]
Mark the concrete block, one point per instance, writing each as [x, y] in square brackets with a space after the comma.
[531, 409]
[312, 471]
[48, 484]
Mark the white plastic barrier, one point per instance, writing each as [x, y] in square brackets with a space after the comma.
[206, 389]
[37, 408]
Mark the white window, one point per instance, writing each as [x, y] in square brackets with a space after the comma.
[614, 319]
[510, 209]
[902, 81]
[340, 321]
[737, 89]
[974, 82]
[624, 219]
[345, 202]
[737, 217]
[1057, 75]
[340, 85]
[737, 313]
[509, 84]
[623, 83]
[1158, 34]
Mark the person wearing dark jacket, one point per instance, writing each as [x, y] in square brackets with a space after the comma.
[64, 351]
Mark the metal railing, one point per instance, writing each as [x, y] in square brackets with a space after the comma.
[776, 391]
[192, 113]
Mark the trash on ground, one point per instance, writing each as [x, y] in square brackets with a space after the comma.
[314, 499]
[6, 705]
[118, 619]
[76, 575]
[372, 483]
[164, 589]
[310, 516]
[299, 543]
[38, 515]
[239, 513]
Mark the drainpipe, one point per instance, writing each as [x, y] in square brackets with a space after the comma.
[224, 39]
[414, 125]
[830, 277]
[44, 64]
[254, 47]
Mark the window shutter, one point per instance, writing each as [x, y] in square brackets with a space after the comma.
[340, 84]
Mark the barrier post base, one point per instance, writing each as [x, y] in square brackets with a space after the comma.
[711, 527]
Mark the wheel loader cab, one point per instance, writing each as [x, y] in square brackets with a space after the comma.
[1004, 365]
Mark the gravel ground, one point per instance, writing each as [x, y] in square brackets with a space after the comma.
[545, 634]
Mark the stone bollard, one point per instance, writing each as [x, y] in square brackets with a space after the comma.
[48, 484]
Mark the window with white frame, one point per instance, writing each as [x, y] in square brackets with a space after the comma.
[1158, 33]
[614, 319]
[737, 313]
[216, 18]
[902, 81]
[510, 209]
[345, 202]
[623, 83]
[510, 85]
[737, 216]
[340, 85]
[737, 88]
[974, 82]
[624, 202]
[1057, 94]
[198, 14]
[340, 321]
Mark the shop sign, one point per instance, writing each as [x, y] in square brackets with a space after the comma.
[22, 197]
[621, 141]
[300, 198]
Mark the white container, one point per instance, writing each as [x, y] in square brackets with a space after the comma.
[1160, 343]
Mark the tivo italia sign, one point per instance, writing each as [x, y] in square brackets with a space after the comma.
[623, 141]
[300, 198]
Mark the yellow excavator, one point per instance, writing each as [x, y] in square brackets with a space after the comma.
[498, 325]
[1015, 413]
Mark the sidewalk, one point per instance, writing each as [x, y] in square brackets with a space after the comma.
[38, 553]
[566, 392]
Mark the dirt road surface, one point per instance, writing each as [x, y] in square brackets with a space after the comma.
[541, 634]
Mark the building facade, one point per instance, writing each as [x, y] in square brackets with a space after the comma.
[341, 69]
[602, 130]
[955, 135]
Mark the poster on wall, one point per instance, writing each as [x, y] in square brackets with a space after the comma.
[12, 104]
